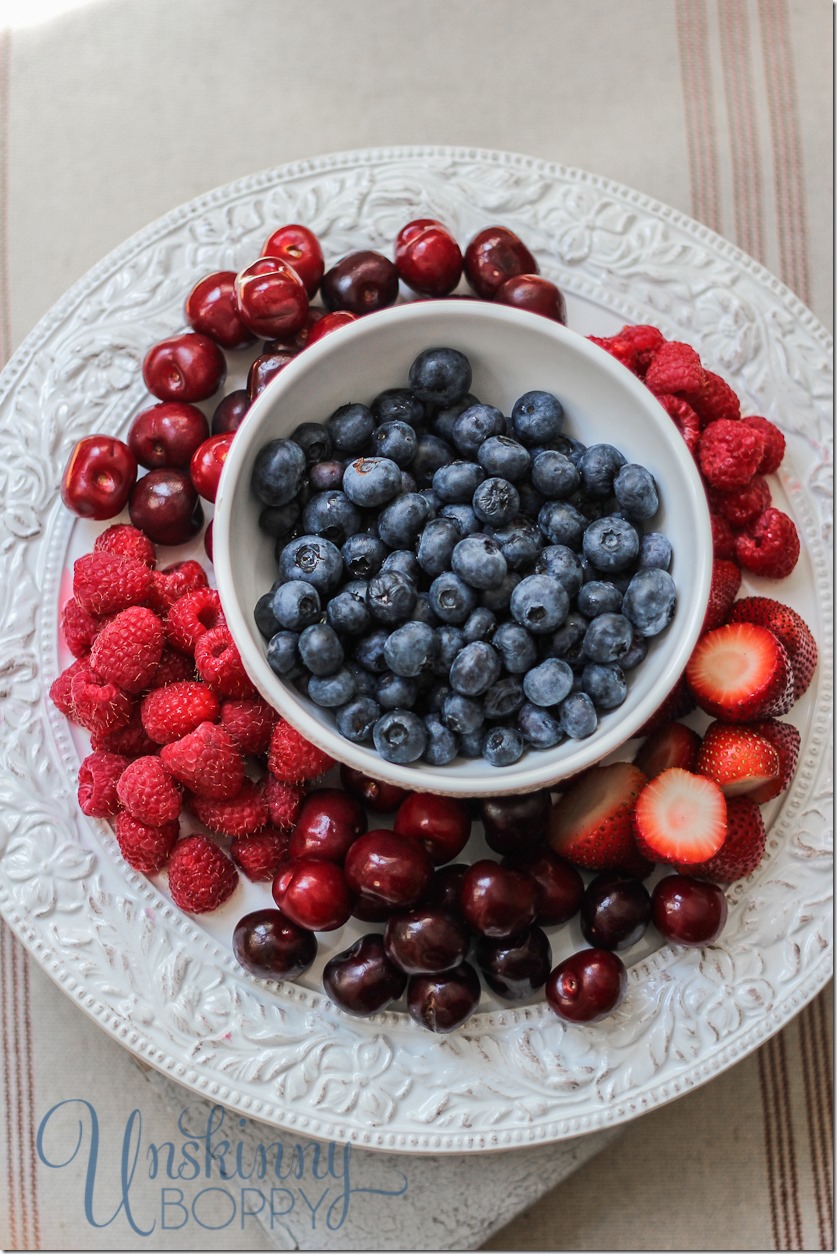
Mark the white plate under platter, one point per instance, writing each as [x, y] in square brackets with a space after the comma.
[165, 985]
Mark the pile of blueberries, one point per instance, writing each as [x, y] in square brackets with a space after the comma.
[454, 582]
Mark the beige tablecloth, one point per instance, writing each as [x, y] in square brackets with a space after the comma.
[120, 109]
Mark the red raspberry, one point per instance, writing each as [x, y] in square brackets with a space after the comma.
[123, 540]
[104, 584]
[769, 547]
[78, 628]
[145, 848]
[60, 693]
[130, 740]
[260, 857]
[201, 876]
[192, 616]
[723, 537]
[207, 761]
[774, 443]
[293, 759]
[726, 580]
[743, 505]
[148, 792]
[684, 418]
[729, 453]
[174, 668]
[98, 704]
[284, 802]
[250, 722]
[246, 814]
[170, 713]
[675, 367]
[633, 346]
[98, 776]
[219, 664]
[714, 400]
[128, 649]
[173, 582]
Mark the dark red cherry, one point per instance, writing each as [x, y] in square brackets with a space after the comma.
[231, 411]
[376, 794]
[269, 945]
[98, 477]
[331, 322]
[167, 434]
[165, 505]
[361, 980]
[515, 825]
[265, 368]
[212, 310]
[188, 367]
[301, 249]
[441, 824]
[533, 292]
[587, 986]
[498, 901]
[428, 258]
[560, 887]
[442, 1002]
[426, 939]
[361, 283]
[388, 868]
[688, 911]
[615, 911]
[329, 822]
[517, 968]
[445, 886]
[313, 893]
[271, 298]
[494, 255]
[208, 462]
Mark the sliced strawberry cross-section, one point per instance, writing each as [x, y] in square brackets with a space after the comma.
[789, 627]
[591, 825]
[674, 744]
[740, 672]
[680, 818]
[743, 849]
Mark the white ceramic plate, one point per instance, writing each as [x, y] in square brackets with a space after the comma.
[166, 985]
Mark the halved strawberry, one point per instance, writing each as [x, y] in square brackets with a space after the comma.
[591, 823]
[680, 818]
[675, 744]
[743, 848]
[789, 628]
[737, 758]
[786, 740]
[726, 580]
[679, 702]
[740, 672]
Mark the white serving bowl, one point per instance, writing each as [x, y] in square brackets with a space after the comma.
[511, 352]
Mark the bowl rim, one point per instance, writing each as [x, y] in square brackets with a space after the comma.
[536, 769]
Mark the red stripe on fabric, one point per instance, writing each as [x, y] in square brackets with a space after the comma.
[823, 1062]
[746, 161]
[9, 1010]
[795, 1215]
[692, 35]
[767, 1108]
[30, 1112]
[814, 1122]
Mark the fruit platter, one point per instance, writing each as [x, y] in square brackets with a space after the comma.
[317, 946]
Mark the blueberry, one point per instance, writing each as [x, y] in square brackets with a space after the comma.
[478, 560]
[516, 647]
[649, 601]
[604, 684]
[283, 654]
[264, 617]
[636, 493]
[423, 611]
[479, 625]
[592, 507]
[351, 428]
[277, 472]
[400, 736]
[655, 551]
[502, 746]
[611, 544]
[539, 604]
[531, 501]
[464, 517]
[371, 481]
[369, 651]
[329, 691]
[636, 653]
[313, 559]
[599, 597]
[365, 682]
[537, 418]
[563, 564]
[363, 555]
[391, 597]
[296, 605]
[577, 716]
[504, 698]
[445, 418]
[435, 696]
[399, 405]
[326, 475]
[279, 520]
[451, 598]
[314, 439]
[347, 612]
[599, 465]
[431, 454]
[400, 523]
[408, 483]
[569, 636]
[461, 714]
[396, 440]
[436, 544]
[356, 719]
[411, 649]
[554, 475]
[441, 375]
[608, 638]
[405, 562]
[470, 744]
[538, 727]
[394, 692]
[332, 515]
[456, 483]
[507, 458]
[549, 683]
[562, 523]
[499, 598]
[442, 744]
[571, 448]
[475, 669]
[451, 641]
[496, 502]
[476, 425]
[320, 649]
[433, 502]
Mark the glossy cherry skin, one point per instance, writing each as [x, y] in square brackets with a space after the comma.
[271, 298]
[212, 310]
[428, 258]
[188, 367]
[165, 505]
[208, 462]
[615, 911]
[377, 795]
[361, 980]
[587, 986]
[445, 887]
[98, 477]
[313, 893]
[515, 825]
[517, 968]
[329, 822]
[300, 339]
[388, 868]
[426, 939]
[207, 540]
[688, 911]
[494, 255]
[560, 887]
[369, 911]
[362, 282]
[441, 824]
[265, 368]
[331, 322]
[533, 292]
[443, 1001]
[269, 945]
[167, 434]
[300, 249]
[230, 411]
[498, 901]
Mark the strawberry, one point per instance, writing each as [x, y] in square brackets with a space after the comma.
[674, 744]
[170, 713]
[726, 580]
[243, 815]
[201, 876]
[723, 537]
[743, 848]
[679, 702]
[260, 857]
[680, 818]
[207, 761]
[292, 759]
[790, 628]
[740, 672]
[591, 824]
[145, 848]
[148, 792]
[786, 740]
[128, 649]
[737, 758]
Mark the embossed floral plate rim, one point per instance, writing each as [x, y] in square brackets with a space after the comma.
[163, 985]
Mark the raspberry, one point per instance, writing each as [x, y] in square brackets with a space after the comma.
[684, 418]
[145, 848]
[249, 722]
[774, 443]
[723, 537]
[123, 540]
[207, 761]
[729, 453]
[128, 649]
[260, 857]
[98, 704]
[98, 776]
[714, 400]
[219, 664]
[192, 616]
[201, 876]
[743, 505]
[245, 815]
[173, 582]
[148, 792]
[104, 584]
[675, 367]
[170, 713]
[633, 346]
[78, 628]
[60, 692]
[292, 759]
[130, 740]
[284, 802]
[174, 668]
[770, 546]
